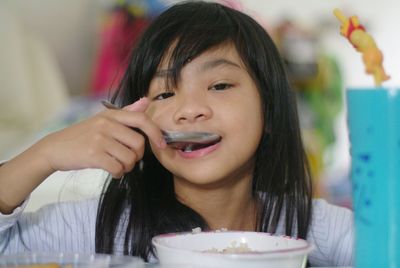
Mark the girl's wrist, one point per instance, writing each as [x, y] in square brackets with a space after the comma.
[41, 155]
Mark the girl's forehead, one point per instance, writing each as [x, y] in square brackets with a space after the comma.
[225, 50]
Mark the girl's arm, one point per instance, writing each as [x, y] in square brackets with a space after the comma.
[21, 175]
[105, 141]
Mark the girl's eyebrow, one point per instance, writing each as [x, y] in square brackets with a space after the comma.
[217, 62]
[204, 67]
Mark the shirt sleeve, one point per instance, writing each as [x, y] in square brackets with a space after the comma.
[59, 227]
[332, 234]
[8, 220]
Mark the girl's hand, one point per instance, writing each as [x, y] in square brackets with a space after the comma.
[105, 141]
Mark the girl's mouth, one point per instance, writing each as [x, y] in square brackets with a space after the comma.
[192, 145]
[190, 150]
[188, 147]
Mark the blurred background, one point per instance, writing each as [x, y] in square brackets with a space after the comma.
[59, 58]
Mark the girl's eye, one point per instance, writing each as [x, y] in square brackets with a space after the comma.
[164, 95]
[221, 86]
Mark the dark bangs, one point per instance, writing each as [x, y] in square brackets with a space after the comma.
[182, 33]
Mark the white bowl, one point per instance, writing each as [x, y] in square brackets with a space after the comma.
[204, 250]
[70, 260]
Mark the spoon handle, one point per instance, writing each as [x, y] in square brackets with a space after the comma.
[109, 105]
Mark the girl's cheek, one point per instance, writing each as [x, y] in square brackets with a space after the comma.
[151, 110]
[160, 114]
[155, 114]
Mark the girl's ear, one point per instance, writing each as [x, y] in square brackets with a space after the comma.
[138, 106]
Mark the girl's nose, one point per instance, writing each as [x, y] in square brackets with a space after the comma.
[192, 109]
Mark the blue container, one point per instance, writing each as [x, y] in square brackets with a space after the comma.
[374, 126]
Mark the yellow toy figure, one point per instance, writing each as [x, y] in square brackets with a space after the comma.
[365, 44]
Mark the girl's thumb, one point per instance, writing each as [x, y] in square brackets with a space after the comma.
[138, 106]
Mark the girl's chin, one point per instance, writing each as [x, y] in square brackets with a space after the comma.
[204, 178]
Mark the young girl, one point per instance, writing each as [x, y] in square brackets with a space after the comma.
[200, 66]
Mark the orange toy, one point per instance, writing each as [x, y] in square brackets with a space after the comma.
[365, 44]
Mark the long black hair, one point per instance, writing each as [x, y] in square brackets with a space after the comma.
[145, 203]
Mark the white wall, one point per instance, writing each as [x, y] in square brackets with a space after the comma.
[70, 29]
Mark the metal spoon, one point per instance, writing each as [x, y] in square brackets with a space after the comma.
[178, 139]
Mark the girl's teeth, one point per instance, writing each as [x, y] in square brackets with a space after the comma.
[188, 149]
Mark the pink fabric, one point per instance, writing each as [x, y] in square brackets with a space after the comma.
[118, 36]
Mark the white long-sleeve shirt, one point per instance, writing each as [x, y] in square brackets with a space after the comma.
[70, 227]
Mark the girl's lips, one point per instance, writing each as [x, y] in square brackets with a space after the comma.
[198, 153]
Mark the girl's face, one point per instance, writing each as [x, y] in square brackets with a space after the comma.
[215, 94]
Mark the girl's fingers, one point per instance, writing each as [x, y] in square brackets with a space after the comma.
[110, 164]
[123, 134]
[113, 140]
[126, 136]
[121, 153]
[140, 121]
[108, 141]
[138, 106]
